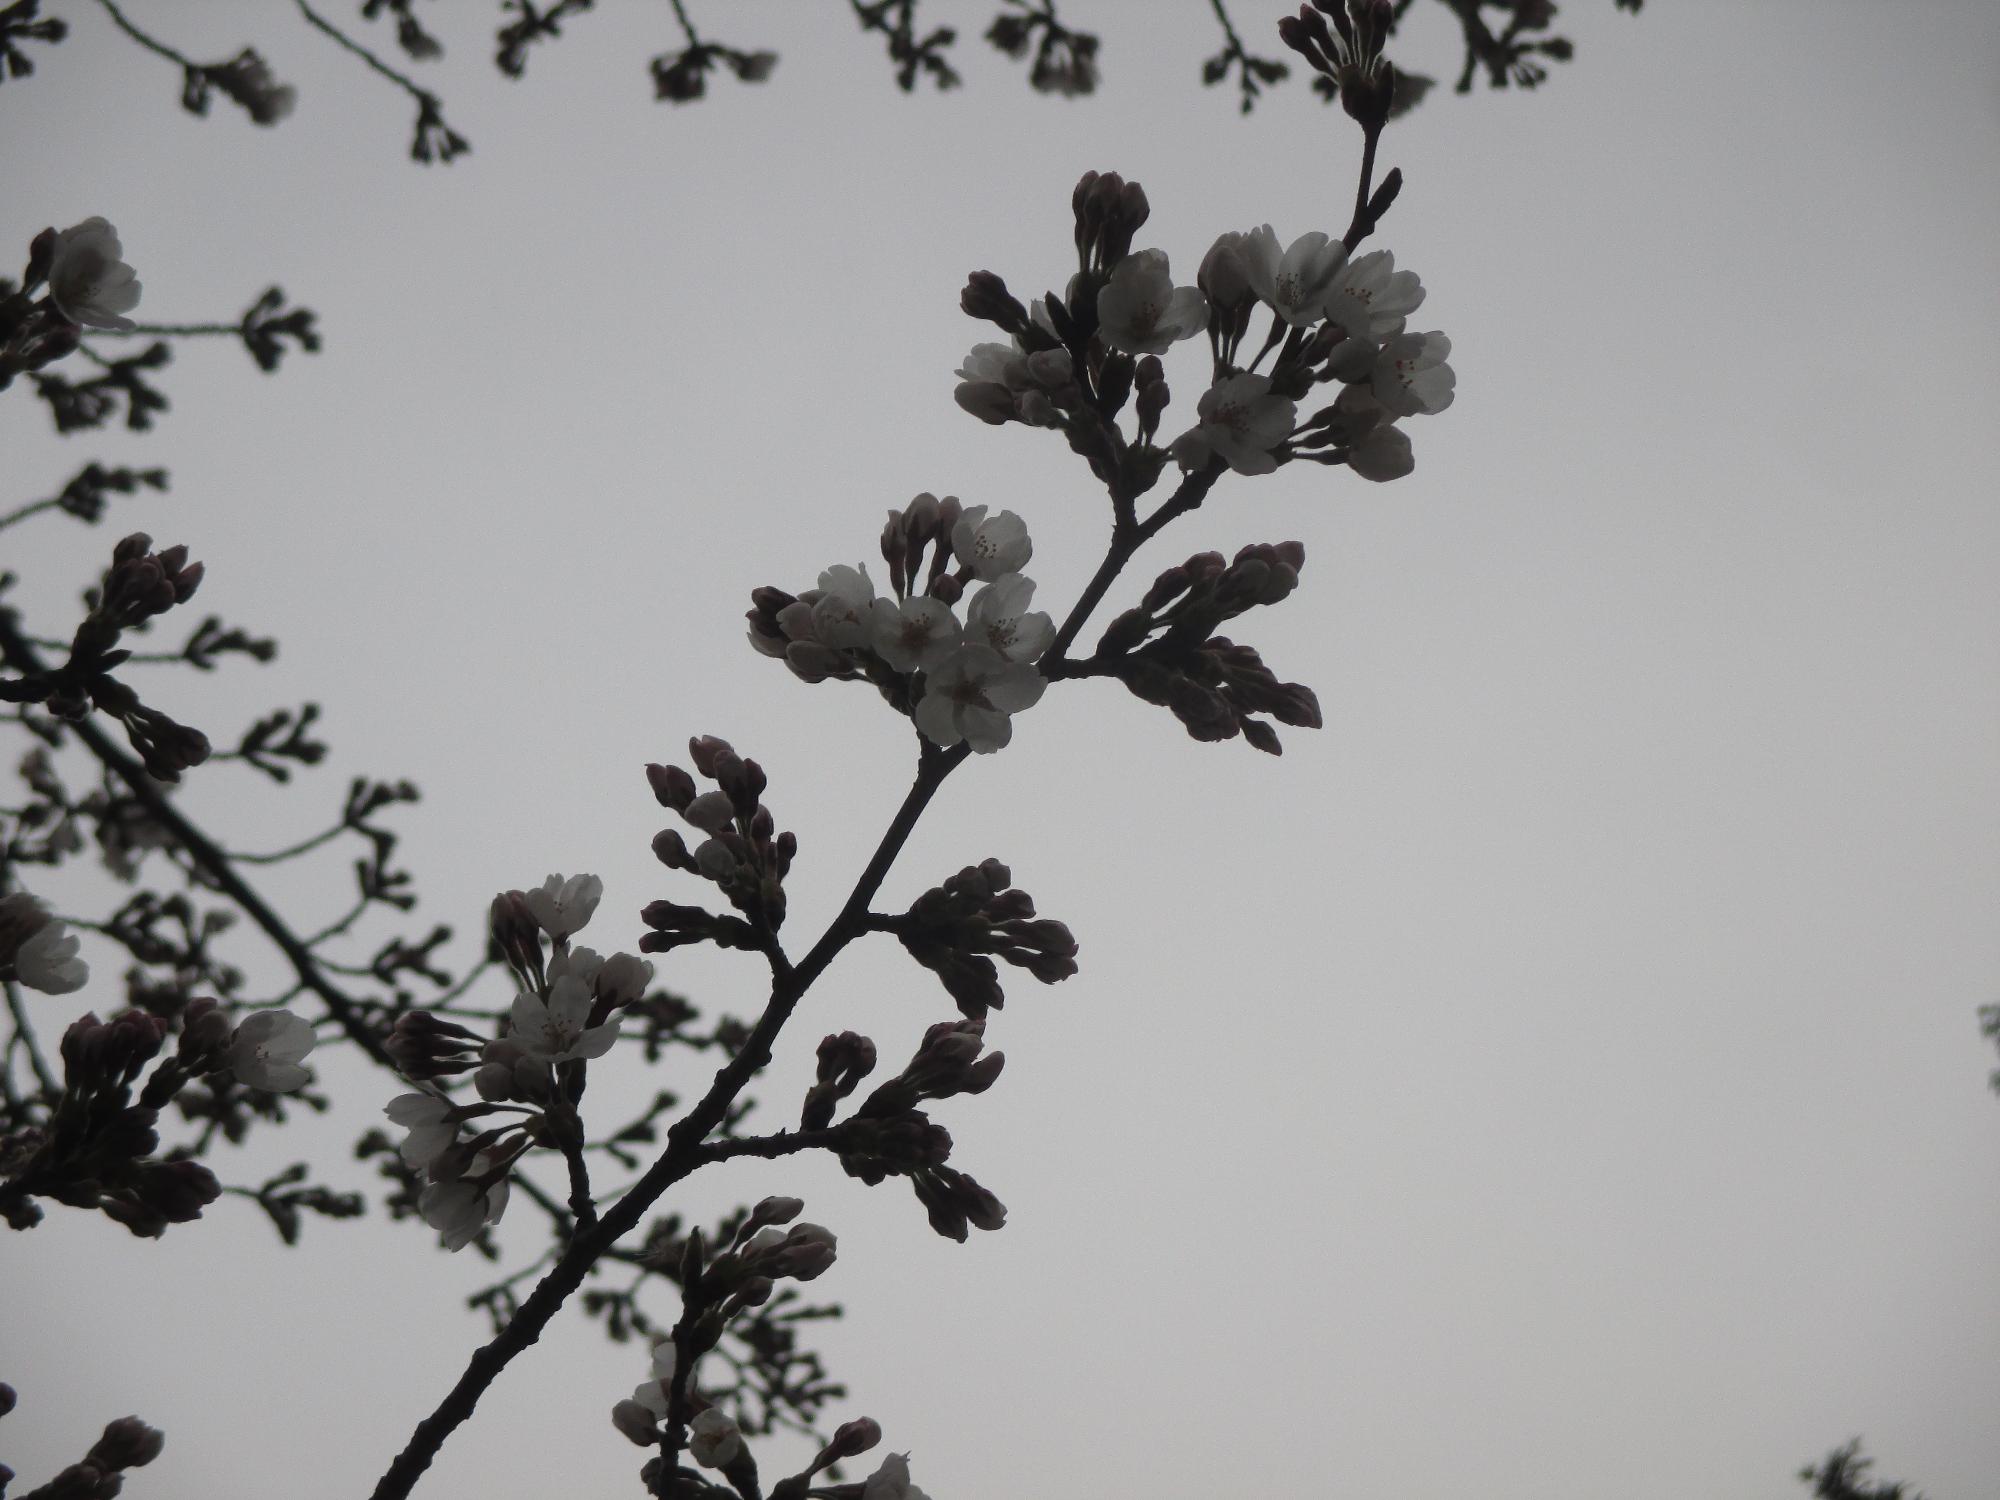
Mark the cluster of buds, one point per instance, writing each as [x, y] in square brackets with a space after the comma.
[96, 1149]
[951, 928]
[1164, 650]
[37, 949]
[715, 1290]
[682, 77]
[245, 79]
[741, 851]
[959, 680]
[139, 585]
[1349, 53]
[889, 1136]
[89, 286]
[1065, 61]
[126, 1443]
[1074, 361]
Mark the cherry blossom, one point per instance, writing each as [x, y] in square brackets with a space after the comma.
[840, 612]
[1410, 375]
[1141, 311]
[971, 695]
[459, 1209]
[555, 1030]
[990, 548]
[917, 635]
[265, 1052]
[713, 1440]
[1371, 298]
[998, 617]
[562, 906]
[88, 279]
[47, 960]
[892, 1481]
[1295, 284]
[1241, 423]
[427, 1117]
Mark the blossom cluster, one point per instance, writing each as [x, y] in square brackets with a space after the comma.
[960, 679]
[1334, 318]
[567, 1010]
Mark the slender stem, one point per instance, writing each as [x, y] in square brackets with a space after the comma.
[1363, 225]
[292, 851]
[151, 44]
[771, 1147]
[166, 330]
[212, 860]
[22, 514]
[26, 1033]
[687, 26]
[415, 90]
[1228, 31]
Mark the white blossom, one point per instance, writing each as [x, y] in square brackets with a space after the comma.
[1295, 284]
[996, 364]
[89, 280]
[713, 1440]
[623, 979]
[426, 1117]
[1371, 298]
[1241, 423]
[840, 612]
[581, 962]
[459, 1209]
[265, 1052]
[1381, 454]
[1141, 311]
[47, 960]
[971, 695]
[998, 617]
[564, 906]
[892, 1481]
[990, 548]
[555, 1030]
[1411, 376]
[916, 635]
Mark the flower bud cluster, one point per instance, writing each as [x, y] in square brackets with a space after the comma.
[1349, 54]
[960, 680]
[1164, 651]
[888, 1135]
[844, 1060]
[1075, 360]
[126, 1443]
[741, 851]
[950, 929]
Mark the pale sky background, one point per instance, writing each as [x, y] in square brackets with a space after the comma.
[1557, 1078]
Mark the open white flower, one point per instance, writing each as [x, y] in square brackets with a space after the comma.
[1141, 311]
[971, 695]
[1371, 297]
[713, 1440]
[556, 1030]
[426, 1117]
[1411, 377]
[916, 635]
[991, 547]
[89, 280]
[564, 906]
[459, 1209]
[997, 364]
[265, 1052]
[840, 613]
[47, 960]
[1295, 284]
[1241, 423]
[892, 1481]
[998, 617]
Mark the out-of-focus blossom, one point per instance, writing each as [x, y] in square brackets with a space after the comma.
[1411, 377]
[265, 1052]
[556, 1030]
[46, 959]
[1371, 298]
[1141, 311]
[998, 617]
[565, 906]
[713, 1440]
[916, 635]
[1296, 283]
[248, 79]
[970, 697]
[89, 280]
[1241, 423]
[991, 547]
[892, 1481]
[840, 613]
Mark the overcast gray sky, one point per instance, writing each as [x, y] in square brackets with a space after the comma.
[1558, 1077]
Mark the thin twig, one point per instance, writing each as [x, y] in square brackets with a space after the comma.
[151, 44]
[26, 1033]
